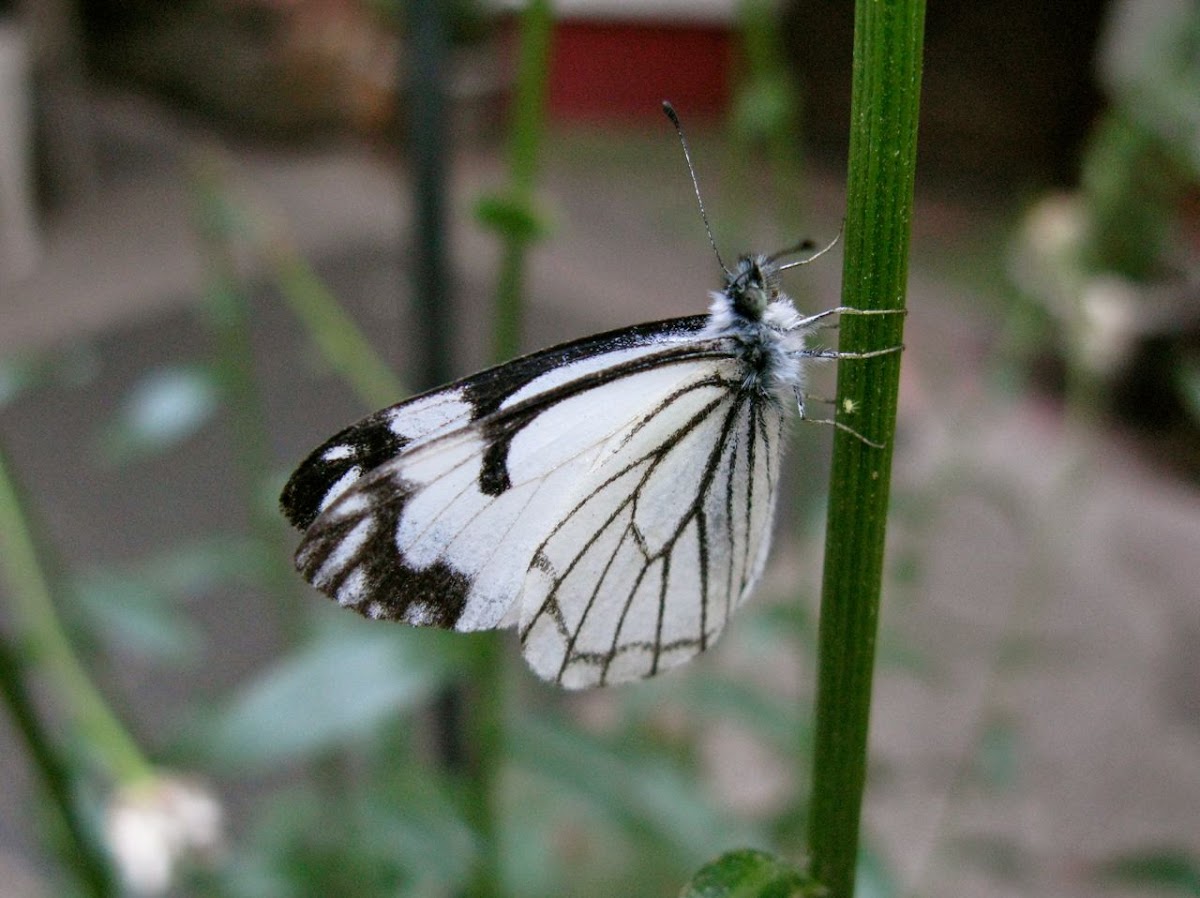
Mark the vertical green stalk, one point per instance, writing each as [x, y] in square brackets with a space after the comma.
[487, 700]
[81, 852]
[519, 229]
[887, 77]
[48, 647]
[45, 648]
[461, 715]
[767, 110]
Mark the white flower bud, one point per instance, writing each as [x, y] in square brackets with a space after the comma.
[154, 825]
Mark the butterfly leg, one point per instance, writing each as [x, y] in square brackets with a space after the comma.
[808, 322]
[839, 354]
[832, 422]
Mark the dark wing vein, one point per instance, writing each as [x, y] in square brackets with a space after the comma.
[748, 505]
[694, 511]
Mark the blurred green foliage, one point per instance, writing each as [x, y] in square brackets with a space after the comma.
[1110, 270]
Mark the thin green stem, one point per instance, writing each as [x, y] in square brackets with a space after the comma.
[529, 103]
[332, 331]
[485, 712]
[887, 76]
[90, 864]
[48, 648]
[768, 112]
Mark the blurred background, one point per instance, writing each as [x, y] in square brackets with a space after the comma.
[228, 228]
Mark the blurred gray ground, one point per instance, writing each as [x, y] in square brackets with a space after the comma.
[1053, 609]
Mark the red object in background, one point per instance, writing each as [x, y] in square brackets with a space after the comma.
[622, 71]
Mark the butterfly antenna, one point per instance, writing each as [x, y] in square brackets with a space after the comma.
[803, 247]
[687, 154]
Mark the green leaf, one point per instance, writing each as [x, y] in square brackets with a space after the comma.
[1171, 871]
[160, 411]
[751, 874]
[17, 374]
[511, 217]
[555, 841]
[206, 564]
[407, 838]
[874, 878]
[648, 795]
[351, 678]
[200, 565]
[140, 617]
[138, 608]
[75, 367]
[419, 826]
[996, 764]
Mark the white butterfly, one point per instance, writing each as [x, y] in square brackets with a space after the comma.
[612, 497]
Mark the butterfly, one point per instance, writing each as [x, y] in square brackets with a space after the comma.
[612, 497]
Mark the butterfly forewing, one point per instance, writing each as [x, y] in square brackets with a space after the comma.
[444, 532]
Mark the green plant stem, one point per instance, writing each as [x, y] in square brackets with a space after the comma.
[334, 334]
[89, 862]
[529, 103]
[48, 648]
[768, 112]
[887, 76]
[485, 711]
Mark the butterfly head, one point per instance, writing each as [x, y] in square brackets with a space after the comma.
[752, 286]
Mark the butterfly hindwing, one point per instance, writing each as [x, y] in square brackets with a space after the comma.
[663, 542]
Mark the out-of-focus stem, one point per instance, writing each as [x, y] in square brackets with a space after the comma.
[47, 648]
